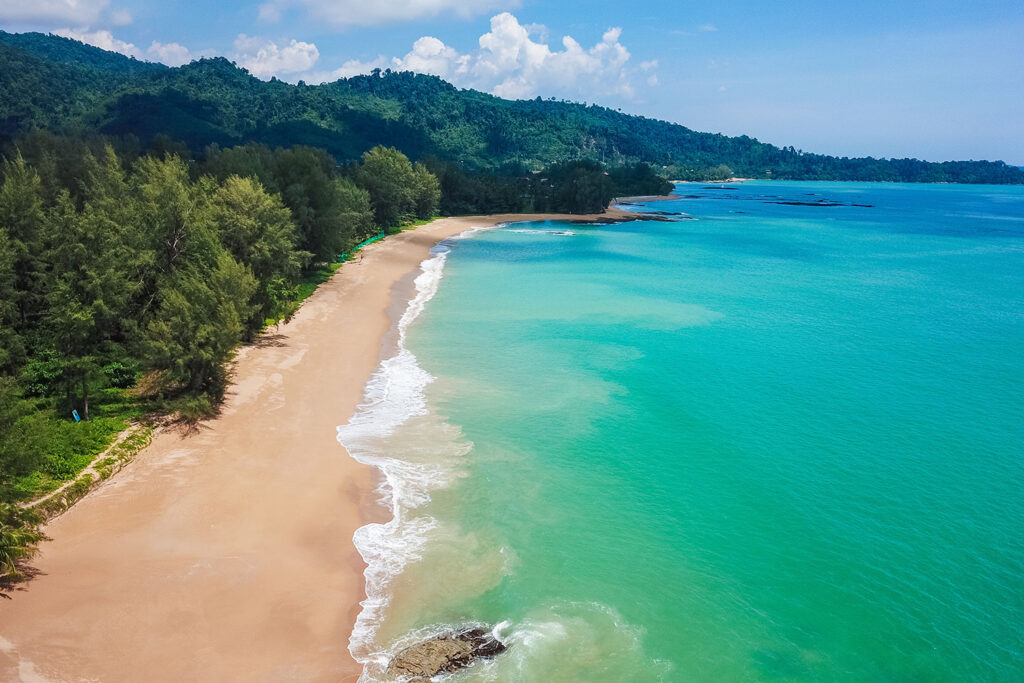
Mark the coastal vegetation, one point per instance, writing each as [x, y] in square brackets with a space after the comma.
[128, 279]
[153, 219]
[127, 282]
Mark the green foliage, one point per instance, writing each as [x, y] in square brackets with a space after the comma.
[121, 374]
[201, 318]
[58, 84]
[574, 187]
[257, 230]
[638, 180]
[22, 218]
[43, 374]
[145, 265]
[426, 191]
[390, 179]
[38, 450]
[19, 534]
[330, 212]
[194, 408]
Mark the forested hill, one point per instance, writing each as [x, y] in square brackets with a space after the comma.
[65, 86]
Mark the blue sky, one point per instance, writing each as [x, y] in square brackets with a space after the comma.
[932, 79]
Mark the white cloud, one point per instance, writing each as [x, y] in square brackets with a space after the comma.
[101, 39]
[345, 13]
[510, 63]
[352, 67]
[171, 54]
[538, 31]
[264, 58]
[430, 55]
[707, 28]
[52, 12]
[121, 17]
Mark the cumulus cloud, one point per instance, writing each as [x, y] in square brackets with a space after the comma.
[352, 67]
[346, 13]
[171, 54]
[101, 39]
[52, 12]
[510, 63]
[265, 58]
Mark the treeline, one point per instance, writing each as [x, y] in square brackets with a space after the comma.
[570, 187]
[63, 85]
[127, 279]
[116, 268]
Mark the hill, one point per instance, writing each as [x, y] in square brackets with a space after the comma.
[64, 86]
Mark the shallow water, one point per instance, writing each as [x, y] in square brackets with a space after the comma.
[777, 442]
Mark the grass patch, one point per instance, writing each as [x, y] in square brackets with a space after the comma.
[312, 280]
[64, 449]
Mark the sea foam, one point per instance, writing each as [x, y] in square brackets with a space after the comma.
[393, 397]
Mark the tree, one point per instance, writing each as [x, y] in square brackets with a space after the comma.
[426, 191]
[88, 290]
[169, 215]
[389, 178]
[258, 231]
[354, 212]
[21, 215]
[12, 348]
[330, 213]
[17, 457]
[200, 320]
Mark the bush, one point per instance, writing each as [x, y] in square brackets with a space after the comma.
[42, 374]
[195, 408]
[121, 374]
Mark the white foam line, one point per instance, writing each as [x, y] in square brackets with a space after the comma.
[394, 394]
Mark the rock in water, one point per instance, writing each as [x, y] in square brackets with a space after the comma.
[443, 653]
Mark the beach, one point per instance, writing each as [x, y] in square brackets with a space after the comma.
[224, 551]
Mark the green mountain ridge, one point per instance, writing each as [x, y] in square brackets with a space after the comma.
[63, 85]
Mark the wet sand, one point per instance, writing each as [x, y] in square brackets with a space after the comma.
[226, 553]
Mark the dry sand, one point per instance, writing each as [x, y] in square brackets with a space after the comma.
[226, 554]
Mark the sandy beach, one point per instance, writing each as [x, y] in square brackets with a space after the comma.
[225, 553]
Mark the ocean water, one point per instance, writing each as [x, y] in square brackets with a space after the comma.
[778, 437]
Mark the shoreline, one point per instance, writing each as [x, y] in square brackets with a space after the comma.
[227, 553]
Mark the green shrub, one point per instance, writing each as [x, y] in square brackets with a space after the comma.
[121, 374]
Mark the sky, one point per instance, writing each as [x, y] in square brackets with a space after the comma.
[932, 79]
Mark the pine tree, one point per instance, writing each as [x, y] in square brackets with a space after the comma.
[389, 178]
[200, 320]
[21, 215]
[426, 191]
[258, 231]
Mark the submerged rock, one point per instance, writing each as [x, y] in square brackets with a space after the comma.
[443, 653]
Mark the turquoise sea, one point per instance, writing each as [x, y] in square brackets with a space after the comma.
[778, 437]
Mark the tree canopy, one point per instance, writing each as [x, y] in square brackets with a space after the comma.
[62, 85]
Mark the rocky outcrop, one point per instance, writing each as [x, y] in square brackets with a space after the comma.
[443, 653]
